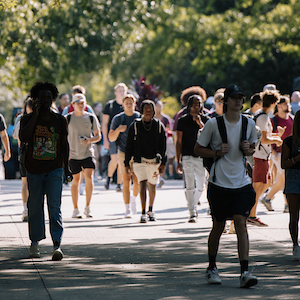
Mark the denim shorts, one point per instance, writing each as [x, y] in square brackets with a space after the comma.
[292, 181]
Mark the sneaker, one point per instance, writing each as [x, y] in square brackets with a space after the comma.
[34, 251]
[143, 219]
[267, 203]
[127, 214]
[192, 219]
[25, 216]
[76, 214]
[247, 280]
[286, 209]
[231, 228]
[118, 188]
[133, 205]
[151, 216]
[87, 212]
[296, 253]
[57, 254]
[256, 222]
[160, 184]
[212, 276]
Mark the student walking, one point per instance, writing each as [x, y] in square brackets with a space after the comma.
[84, 130]
[118, 133]
[230, 192]
[290, 161]
[146, 143]
[45, 134]
[188, 129]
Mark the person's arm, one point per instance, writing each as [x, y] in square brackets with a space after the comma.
[94, 139]
[65, 150]
[179, 151]
[207, 152]
[114, 134]
[287, 162]
[129, 148]
[5, 142]
[105, 120]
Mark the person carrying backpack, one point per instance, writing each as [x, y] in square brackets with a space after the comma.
[230, 192]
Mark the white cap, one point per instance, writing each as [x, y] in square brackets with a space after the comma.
[78, 98]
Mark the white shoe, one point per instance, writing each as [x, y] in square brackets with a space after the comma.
[247, 280]
[57, 254]
[127, 214]
[76, 214]
[133, 204]
[25, 215]
[212, 276]
[87, 212]
[296, 253]
[143, 219]
[151, 216]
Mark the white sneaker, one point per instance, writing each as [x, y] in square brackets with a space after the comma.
[25, 215]
[247, 280]
[151, 216]
[76, 214]
[296, 253]
[133, 204]
[87, 212]
[212, 276]
[143, 219]
[57, 254]
[127, 214]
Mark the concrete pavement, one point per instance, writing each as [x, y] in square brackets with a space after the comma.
[109, 257]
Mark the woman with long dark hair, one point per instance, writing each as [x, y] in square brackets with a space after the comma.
[290, 161]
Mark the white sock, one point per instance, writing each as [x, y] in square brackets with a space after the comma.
[25, 206]
[127, 207]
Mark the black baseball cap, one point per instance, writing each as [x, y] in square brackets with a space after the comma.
[233, 90]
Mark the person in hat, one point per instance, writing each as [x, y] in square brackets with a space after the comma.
[84, 130]
[230, 192]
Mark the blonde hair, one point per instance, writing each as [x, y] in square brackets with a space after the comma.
[123, 85]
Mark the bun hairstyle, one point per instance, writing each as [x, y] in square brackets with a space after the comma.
[191, 100]
[148, 102]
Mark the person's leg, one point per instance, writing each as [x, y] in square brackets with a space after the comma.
[277, 186]
[143, 195]
[189, 180]
[294, 206]
[136, 186]
[200, 179]
[75, 189]
[242, 237]
[112, 166]
[89, 184]
[259, 188]
[36, 218]
[53, 190]
[213, 242]
[126, 188]
[24, 190]
[152, 192]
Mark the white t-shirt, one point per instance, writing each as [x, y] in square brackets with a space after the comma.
[262, 151]
[230, 169]
[81, 126]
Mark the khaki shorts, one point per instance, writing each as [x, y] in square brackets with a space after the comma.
[147, 170]
[121, 159]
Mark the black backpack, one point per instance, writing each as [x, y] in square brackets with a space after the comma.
[209, 161]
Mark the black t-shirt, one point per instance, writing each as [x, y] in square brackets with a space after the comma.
[190, 131]
[112, 108]
[2, 123]
[289, 141]
[44, 151]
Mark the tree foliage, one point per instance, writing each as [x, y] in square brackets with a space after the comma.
[175, 43]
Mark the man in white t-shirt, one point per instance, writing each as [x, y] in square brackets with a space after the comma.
[84, 129]
[230, 192]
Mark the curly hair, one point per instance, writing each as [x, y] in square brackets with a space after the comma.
[40, 86]
[193, 90]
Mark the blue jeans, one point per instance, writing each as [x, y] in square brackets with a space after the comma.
[39, 185]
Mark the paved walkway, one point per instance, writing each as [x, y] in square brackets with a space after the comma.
[109, 257]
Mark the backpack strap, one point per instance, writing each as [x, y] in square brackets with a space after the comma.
[92, 121]
[244, 128]
[222, 129]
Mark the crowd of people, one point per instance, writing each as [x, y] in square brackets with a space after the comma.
[238, 157]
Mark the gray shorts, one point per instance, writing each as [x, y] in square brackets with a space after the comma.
[113, 149]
